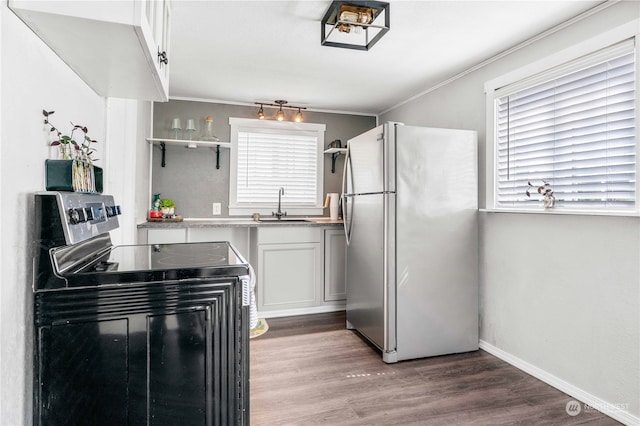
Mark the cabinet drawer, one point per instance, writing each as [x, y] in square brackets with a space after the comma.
[278, 234]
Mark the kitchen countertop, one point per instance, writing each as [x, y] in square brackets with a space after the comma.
[240, 222]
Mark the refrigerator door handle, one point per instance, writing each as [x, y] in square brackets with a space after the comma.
[346, 210]
[344, 173]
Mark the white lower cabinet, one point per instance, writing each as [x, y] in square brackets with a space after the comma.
[335, 265]
[289, 265]
[288, 275]
[299, 269]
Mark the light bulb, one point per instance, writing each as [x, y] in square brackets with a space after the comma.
[280, 115]
[299, 116]
[261, 113]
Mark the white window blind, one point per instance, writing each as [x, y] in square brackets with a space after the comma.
[270, 159]
[267, 155]
[574, 127]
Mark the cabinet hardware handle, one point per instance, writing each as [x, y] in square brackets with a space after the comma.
[162, 57]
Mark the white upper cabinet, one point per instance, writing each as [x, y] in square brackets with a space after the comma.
[119, 48]
[156, 34]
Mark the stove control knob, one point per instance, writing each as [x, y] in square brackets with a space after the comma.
[117, 209]
[111, 211]
[74, 216]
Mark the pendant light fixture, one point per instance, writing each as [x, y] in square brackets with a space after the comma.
[280, 115]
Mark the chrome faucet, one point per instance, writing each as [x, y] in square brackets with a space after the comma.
[279, 213]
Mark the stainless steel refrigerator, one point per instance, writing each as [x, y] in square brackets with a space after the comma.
[410, 215]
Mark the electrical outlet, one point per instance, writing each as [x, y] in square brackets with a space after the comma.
[217, 209]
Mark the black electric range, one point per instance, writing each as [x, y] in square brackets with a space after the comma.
[135, 334]
[149, 263]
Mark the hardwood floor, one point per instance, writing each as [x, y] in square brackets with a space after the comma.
[310, 370]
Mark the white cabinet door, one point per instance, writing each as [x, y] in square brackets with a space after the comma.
[155, 31]
[110, 44]
[335, 265]
[288, 275]
[289, 267]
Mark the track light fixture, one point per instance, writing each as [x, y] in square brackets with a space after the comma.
[280, 115]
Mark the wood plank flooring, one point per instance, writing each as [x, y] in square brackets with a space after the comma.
[310, 370]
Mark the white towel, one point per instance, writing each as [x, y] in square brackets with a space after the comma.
[253, 307]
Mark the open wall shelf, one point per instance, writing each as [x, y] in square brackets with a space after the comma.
[162, 143]
[183, 142]
[335, 152]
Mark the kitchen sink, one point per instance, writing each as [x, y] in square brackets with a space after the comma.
[284, 219]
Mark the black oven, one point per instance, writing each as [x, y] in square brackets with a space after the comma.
[141, 334]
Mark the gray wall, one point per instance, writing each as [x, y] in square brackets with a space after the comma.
[558, 293]
[190, 176]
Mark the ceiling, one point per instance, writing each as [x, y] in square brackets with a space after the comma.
[260, 51]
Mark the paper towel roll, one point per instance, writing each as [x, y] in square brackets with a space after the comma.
[333, 204]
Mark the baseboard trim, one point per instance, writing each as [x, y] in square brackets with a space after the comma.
[302, 311]
[622, 416]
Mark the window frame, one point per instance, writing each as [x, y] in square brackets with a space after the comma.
[545, 65]
[235, 208]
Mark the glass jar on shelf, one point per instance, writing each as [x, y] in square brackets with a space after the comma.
[208, 135]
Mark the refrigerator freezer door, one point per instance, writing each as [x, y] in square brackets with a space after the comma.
[366, 159]
[436, 242]
[368, 284]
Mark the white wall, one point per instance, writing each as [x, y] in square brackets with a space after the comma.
[559, 294]
[128, 160]
[34, 78]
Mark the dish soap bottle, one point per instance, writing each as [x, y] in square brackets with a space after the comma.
[155, 212]
[156, 202]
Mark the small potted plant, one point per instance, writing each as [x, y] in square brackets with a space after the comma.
[75, 170]
[69, 147]
[543, 189]
[167, 207]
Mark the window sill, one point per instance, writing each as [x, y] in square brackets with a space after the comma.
[558, 211]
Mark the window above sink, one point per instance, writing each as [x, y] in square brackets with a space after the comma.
[268, 155]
